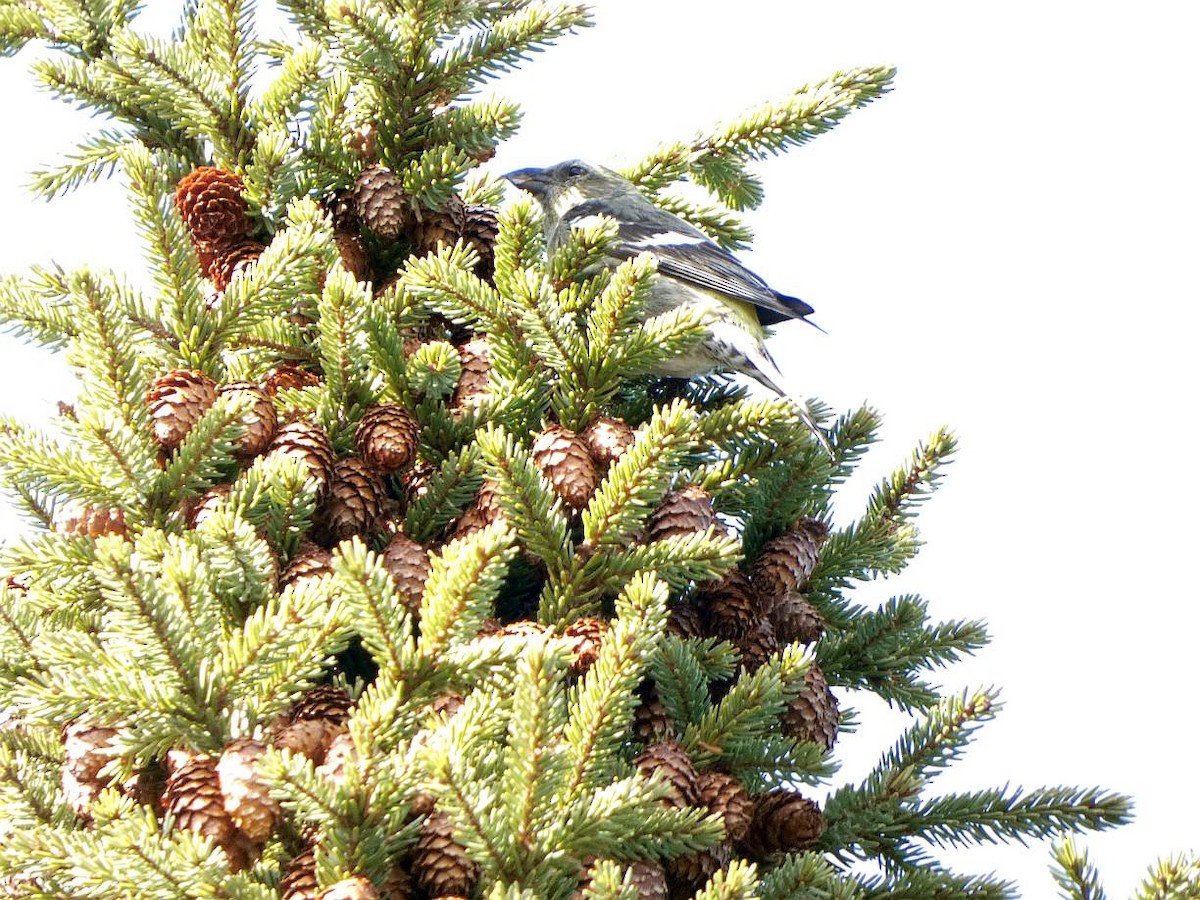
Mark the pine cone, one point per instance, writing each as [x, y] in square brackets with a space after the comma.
[729, 606]
[177, 401]
[387, 437]
[87, 747]
[586, 635]
[355, 499]
[211, 203]
[441, 866]
[310, 561]
[472, 387]
[193, 798]
[607, 439]
[685, 511]
[398, 886]
[356, 888]
[408, 564]
[726, 796]
[310, 738]
[259, 422]
[78, 517]
[225, 262]
[308, 443]
[381, 203]
[691, 871]
[564, 459]
[299, 880]
[353, 252]
[340, 753]
[480, 230]
[339, 205]
[443, 226]
[795, 619]
[483, 511]
[325, 701]
[247, 794]
[651, 723]
[785, 562]
[783, 822]
[288, 377]
[363, 140]
[197, 509]
[685, 621]
[813, 714]
[757, 645]
[671, 761]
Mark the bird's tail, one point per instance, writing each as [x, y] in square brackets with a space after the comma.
[762, 368]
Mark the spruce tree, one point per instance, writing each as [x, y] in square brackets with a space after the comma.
[373, 561]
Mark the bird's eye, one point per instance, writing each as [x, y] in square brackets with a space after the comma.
[576, 171]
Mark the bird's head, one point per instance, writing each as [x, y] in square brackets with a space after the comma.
[564, 186]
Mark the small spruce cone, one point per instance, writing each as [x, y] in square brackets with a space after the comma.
[440, 865]
[353, 252]
[288, 377]
[193, 797]
[211, 204]
[310, 561]
[442, 226]
[729, 606]
[586, 636]
[78, 517]
[363, 140]
[340, 752]
[260, 421]
[483, 511]
[177, 401]
[398, 886]
[685, 511]
[355, 499]
[325, 701]
[795, 619]
[356, 888]
[651, 723]
[86, 747]
[308, 737]
[607, 439]
[340, 207]
[247, 794]
[408, 564]
[693, 870]
[784, 821]
[472, 387]
[564, 459]
[299, 880]
[197, 509]
[671, 761]
[387, 437]
[685, 621]
[224, 263]
[310, 444]
[480, 230]
[813, 714]
[757, 645]
[380, 202]
[785, 562]
[726, 796]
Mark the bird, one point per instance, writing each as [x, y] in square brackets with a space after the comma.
[694, 271]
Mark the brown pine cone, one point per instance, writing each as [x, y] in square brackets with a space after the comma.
[685, 511]
[299, 880]
[757, 645]
[177, 401]
[260, 421]
[483, 511]
[314, 721]
[784, 821]
[193, 798]
[78, 517]
[223, 263]
[247, 794]
[324, 701]
[197, 509]
[651, 723]
[472, 387]
[813, 714]
[353, 252]
[87, 747]
[211, 203]
[442, 226]
[288, 377]
[340, 753]
[729, 606]
[363, 140]
[676, 768]
[564, 459]
[356, 888]
[398, 886]
[440, 865]
[310, 561]
[310, 738]
[693, 870]
[586, 636]
[340, 206]
[408, 564]
[727, 797]
[388, 437]
[785, 562]
[355, 499]
[607, 439]
[480, 230]
[795, 619]
[381, 203]
[310, 444]
[685, 621]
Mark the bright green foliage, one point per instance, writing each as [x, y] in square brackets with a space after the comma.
[1171, 878]
[177, 631]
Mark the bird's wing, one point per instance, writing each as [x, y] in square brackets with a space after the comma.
[687, 253]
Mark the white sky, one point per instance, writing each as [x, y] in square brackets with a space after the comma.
[1006, 243]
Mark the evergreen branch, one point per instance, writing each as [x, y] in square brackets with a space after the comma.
[242, 565]
[206, 451]
[678, 560]
[737, 881]
[222, 36]
[475, 128]
[95, 158]
[448, 490]
[806, 876]
[379, 615]
[1172, 878]
[933, 881]
[1075, 873]
[277, 494]
[297, 80]
[38, 463]
[446, 282]
[433, 176]
[774, 761]
[520, 245]
[607, 881]
[33, 308]
[681, 681]
[340, 313]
